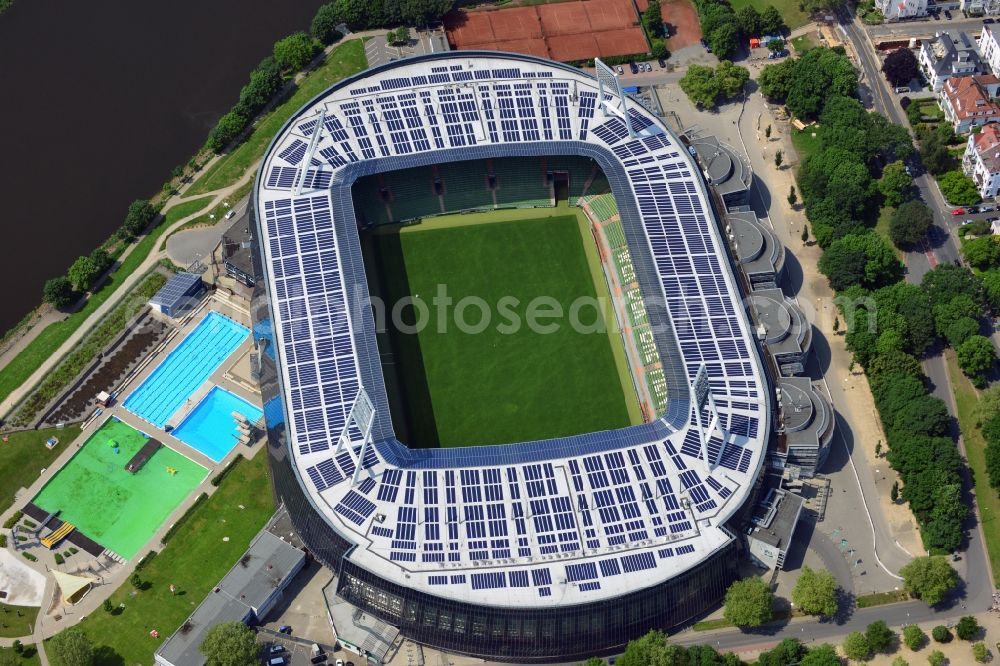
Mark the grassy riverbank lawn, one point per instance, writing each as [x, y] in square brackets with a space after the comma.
[195, 560]
[24, 455]
[975, 447]
[345, 60]
[24, 364]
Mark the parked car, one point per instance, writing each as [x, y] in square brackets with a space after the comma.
[277, 648]
[619, 69]
[947, 14]
[967, 221]
[987, 21]
[987, 208]
[663, 63]
[958, 211]
[285, 629]
[972, 210]
[635, 68]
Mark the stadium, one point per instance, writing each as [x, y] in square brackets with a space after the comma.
[478, 505]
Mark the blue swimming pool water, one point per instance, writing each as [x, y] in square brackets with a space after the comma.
[186, 368]
[211, 428]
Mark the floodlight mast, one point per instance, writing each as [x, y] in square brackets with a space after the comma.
[362, 415]
[701, 397]
[607, 77]
[307, 160]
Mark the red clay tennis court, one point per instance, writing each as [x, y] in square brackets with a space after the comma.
[564, 31]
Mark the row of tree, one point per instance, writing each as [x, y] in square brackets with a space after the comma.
[890, 324]
[723, 28]
[83, 274]
[654, 650]
[363, 14]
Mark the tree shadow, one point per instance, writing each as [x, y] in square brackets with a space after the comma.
[105, 655]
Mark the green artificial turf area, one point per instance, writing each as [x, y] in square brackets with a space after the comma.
[498, 383]
[24, 455]
[211, 540]
[112, 506]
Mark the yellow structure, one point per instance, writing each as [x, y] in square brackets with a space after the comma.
[58, 535]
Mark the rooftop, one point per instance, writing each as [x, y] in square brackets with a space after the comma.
[969, 96]
[987, 147]
[951, 50]
[775, 517]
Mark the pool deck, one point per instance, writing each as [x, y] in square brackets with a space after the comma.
[107, 574]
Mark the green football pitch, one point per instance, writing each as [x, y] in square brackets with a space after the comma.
[475, 385]
[116, 508]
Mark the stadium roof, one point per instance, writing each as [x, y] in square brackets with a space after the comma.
[557, 522]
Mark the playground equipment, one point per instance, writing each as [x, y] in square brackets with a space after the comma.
[171, 471]
[53, 538]
[142, 456]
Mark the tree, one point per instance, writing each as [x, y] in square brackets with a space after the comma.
[225, 131]
[767, 134]
[929, 578]
[935, 658]
[959, 189]
[879, 636]
[294, 52]
[947, 281]
[82, 273]
[961, 330]
[819, 74]
[934, 154]
[750, 21]
[140, 214]
[230, 644]
[983, 252]
[731, 78]
[652, 19]
[325, 22]
[777, 158]
[941, 634]
[909, 223]
[788, 651]
[643, 651]
[864, 259]
[775, 81]
[856, 646]
[792, 197]
[771, 22]
[899, 661]
[593, 661]
[895, 184]
[993, 463]
[821, 655]
[979, 652]
[900, 67]
[136, 581]
[108, 606]
[837, 178]
[975, 356]
[701, 86]
[914, 637]
[71, 647]
[58, 292]
[725, 40]
[659, 49]
[815, 592]
[967, 628]
[894, 492]
[748, 602]
[805, 239]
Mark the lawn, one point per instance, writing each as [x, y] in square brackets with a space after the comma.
[42, 347]
[118, 509]
[794, 17]
[986, 497]
[805, 143]
[195, 560]
[24, 455]
[346, 59]
[803, 43]
[882, 229]
[499, 381]
[16, 621]
[29, 649]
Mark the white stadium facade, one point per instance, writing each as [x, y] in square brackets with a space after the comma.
[526, 552]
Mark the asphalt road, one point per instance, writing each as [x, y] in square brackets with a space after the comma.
[924, 27]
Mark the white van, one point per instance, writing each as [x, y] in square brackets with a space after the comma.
[902, 89]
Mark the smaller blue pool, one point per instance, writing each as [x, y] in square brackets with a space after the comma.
[211, 428]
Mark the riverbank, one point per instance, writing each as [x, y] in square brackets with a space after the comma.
[225, 176]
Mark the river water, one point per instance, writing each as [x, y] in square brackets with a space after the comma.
[98, 102]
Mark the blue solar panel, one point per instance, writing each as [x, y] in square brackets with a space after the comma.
[584, 571]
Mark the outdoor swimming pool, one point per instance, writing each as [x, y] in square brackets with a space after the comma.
[186, 368]
[210, 427]
[118, 509]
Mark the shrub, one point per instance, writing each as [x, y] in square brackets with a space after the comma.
[979, 652]
[29, 556]
[10, 522]
[914, 637]
[967, 628]
[59, 559]
[935, 658]
[941, 633]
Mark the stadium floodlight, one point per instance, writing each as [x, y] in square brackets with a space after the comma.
[362, 415]
[313, 143]
[701, 396]
[606, 77]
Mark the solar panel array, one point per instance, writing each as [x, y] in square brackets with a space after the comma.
[498, 512]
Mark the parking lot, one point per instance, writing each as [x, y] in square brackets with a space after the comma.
[294, 653]
[378, 51]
